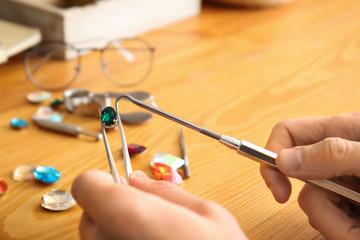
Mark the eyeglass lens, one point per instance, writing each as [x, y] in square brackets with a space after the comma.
[47, 68]
[127, 62]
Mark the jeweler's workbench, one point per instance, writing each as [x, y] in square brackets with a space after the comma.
[233, 71]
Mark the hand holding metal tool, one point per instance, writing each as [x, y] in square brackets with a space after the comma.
[246, 149]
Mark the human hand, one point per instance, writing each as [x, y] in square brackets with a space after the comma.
[318, 148]
[148, 209]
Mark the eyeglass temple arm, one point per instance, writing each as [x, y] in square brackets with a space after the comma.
[41, 62]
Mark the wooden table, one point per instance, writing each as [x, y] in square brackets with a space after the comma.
[234, 71]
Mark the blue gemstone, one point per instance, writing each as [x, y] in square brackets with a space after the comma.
[18, 123]
[46, 174]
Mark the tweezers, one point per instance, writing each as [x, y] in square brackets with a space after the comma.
[242, 147]
[126, 156]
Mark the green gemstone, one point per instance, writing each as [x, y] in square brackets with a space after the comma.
[108, 117]
[56, 103]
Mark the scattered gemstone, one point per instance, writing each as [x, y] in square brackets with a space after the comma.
[168, 159]
[48, 113]
[135, 149]
[58, 200]
[18, 123]
[108, 117]
[3, 186]
[46, 174]
[167, 173]
[38, 96]
[174, 177]
[56, 103]
[23, 173]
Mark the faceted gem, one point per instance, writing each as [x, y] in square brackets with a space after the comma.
[18, 123]
[48, 114]
[168, 159]
[23, 173]
[38, 96]
[46, 174]
[135, 149]
[108, 117]
[56, 103]
[165, 172]
[174, 177]
[3, 186]
[58, 200]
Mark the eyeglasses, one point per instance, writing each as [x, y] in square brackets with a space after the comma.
[56, 65]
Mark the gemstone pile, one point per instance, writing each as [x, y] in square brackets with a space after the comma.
[108, 117]
[165, 167]
[58, 200]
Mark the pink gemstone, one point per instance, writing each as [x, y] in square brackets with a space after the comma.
[135, 149]
[3, 186]
[165, 172]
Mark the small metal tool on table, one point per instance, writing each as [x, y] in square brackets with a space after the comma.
[184, 154]
[246, 149]
[65, 128]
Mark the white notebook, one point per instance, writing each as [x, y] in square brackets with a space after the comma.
[15, 38]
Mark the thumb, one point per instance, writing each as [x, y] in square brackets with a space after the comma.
[331, 157]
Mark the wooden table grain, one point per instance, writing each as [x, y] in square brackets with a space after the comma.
[234, 71]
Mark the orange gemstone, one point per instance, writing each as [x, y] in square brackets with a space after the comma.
[165, 172]
[161, 171]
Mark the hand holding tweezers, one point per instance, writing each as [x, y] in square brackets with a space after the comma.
[246, 149]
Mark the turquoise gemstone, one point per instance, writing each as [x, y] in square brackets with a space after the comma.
[46, 174]
[18, 123]
[108, 117]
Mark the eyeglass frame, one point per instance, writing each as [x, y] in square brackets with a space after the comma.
[78, 51]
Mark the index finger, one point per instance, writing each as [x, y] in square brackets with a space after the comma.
[304, 131]
[287, 134]
[88, 187]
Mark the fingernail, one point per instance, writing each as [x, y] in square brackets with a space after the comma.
[140, 174]
[291, 159]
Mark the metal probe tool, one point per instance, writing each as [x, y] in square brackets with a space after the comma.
[246, 149]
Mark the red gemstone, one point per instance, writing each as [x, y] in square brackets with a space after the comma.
[3, 186]
[165, 172]
[135, 149]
